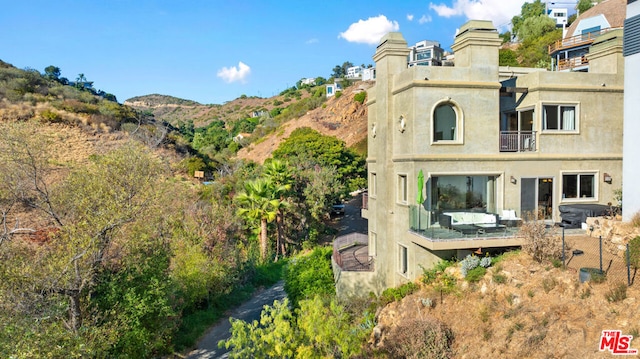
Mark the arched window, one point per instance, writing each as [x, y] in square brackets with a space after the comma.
[445, 123]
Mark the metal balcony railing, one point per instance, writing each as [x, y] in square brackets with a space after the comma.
[517, 141]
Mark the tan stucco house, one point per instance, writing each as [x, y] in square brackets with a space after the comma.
[493, 145]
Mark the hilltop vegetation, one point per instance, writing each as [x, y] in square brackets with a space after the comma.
[111, 249]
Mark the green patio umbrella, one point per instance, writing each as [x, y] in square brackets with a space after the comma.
[420, 198]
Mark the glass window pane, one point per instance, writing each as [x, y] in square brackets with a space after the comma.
[550, 120]
[444, 123]
[570, 186]
[587, 186]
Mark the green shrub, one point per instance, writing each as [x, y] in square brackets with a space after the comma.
[476, 274]
[395, 294]
[308, 275]
[499, 278]
[50, 116]
[338, 94]
[360, 97]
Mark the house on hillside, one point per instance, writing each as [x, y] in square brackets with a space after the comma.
[559, 15]
[425, 53]
[331, 89]
[571, 52]
[354, 72]
[458, 155]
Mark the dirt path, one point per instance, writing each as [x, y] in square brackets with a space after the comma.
[207, 347]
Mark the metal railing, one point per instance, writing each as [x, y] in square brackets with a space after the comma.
[573, 41]
[351, 253]
[517, 141]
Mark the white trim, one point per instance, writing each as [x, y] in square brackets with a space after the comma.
[400, 259]
[596, 187]
[373, 184]
[576, 127]
[457, 109]
[373, 238]
[402, 191]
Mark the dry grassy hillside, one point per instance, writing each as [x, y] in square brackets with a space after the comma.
[340, 117]
[520, 309]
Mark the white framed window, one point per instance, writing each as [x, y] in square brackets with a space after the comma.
[403, 261]
[560, 117]
[577, 186]
[403, 195]
[372, 184]
[373, 238]
[447, 123]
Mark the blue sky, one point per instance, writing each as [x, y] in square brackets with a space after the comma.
[214, 51]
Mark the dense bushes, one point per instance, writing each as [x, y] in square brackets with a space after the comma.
[306, 276]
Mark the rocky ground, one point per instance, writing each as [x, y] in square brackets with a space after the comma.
[522, 309]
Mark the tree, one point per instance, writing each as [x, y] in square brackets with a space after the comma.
[279, 175]
[507, 57]
[257, 203]
[584, 5]
[97, 203]
[52, 72]
[528, 10]
[536, 26]
[337, 72]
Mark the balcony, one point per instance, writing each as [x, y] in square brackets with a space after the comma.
[573, 63]
[351, 253]
[575, 41]
[426, 231]
[517, 141]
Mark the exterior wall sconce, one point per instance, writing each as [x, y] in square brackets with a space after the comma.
[607, 178]
[513, 180]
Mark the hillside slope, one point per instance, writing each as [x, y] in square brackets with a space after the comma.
[343, 118]
[520, 309]
[340, 117]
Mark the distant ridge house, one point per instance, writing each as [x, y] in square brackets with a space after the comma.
[571, 52]
[425, 53]
[331, 89]
[308, 81]
[354, 72]
[457, 154]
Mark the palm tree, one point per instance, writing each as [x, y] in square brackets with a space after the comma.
[258, 204]
[278, 173]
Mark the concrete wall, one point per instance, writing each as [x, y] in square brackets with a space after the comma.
[631, 189]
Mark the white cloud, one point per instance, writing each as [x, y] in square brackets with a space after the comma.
[410, 17]
[234, 74]
[425, 19]
[312, 41]
[369, 31]
[499, 12]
